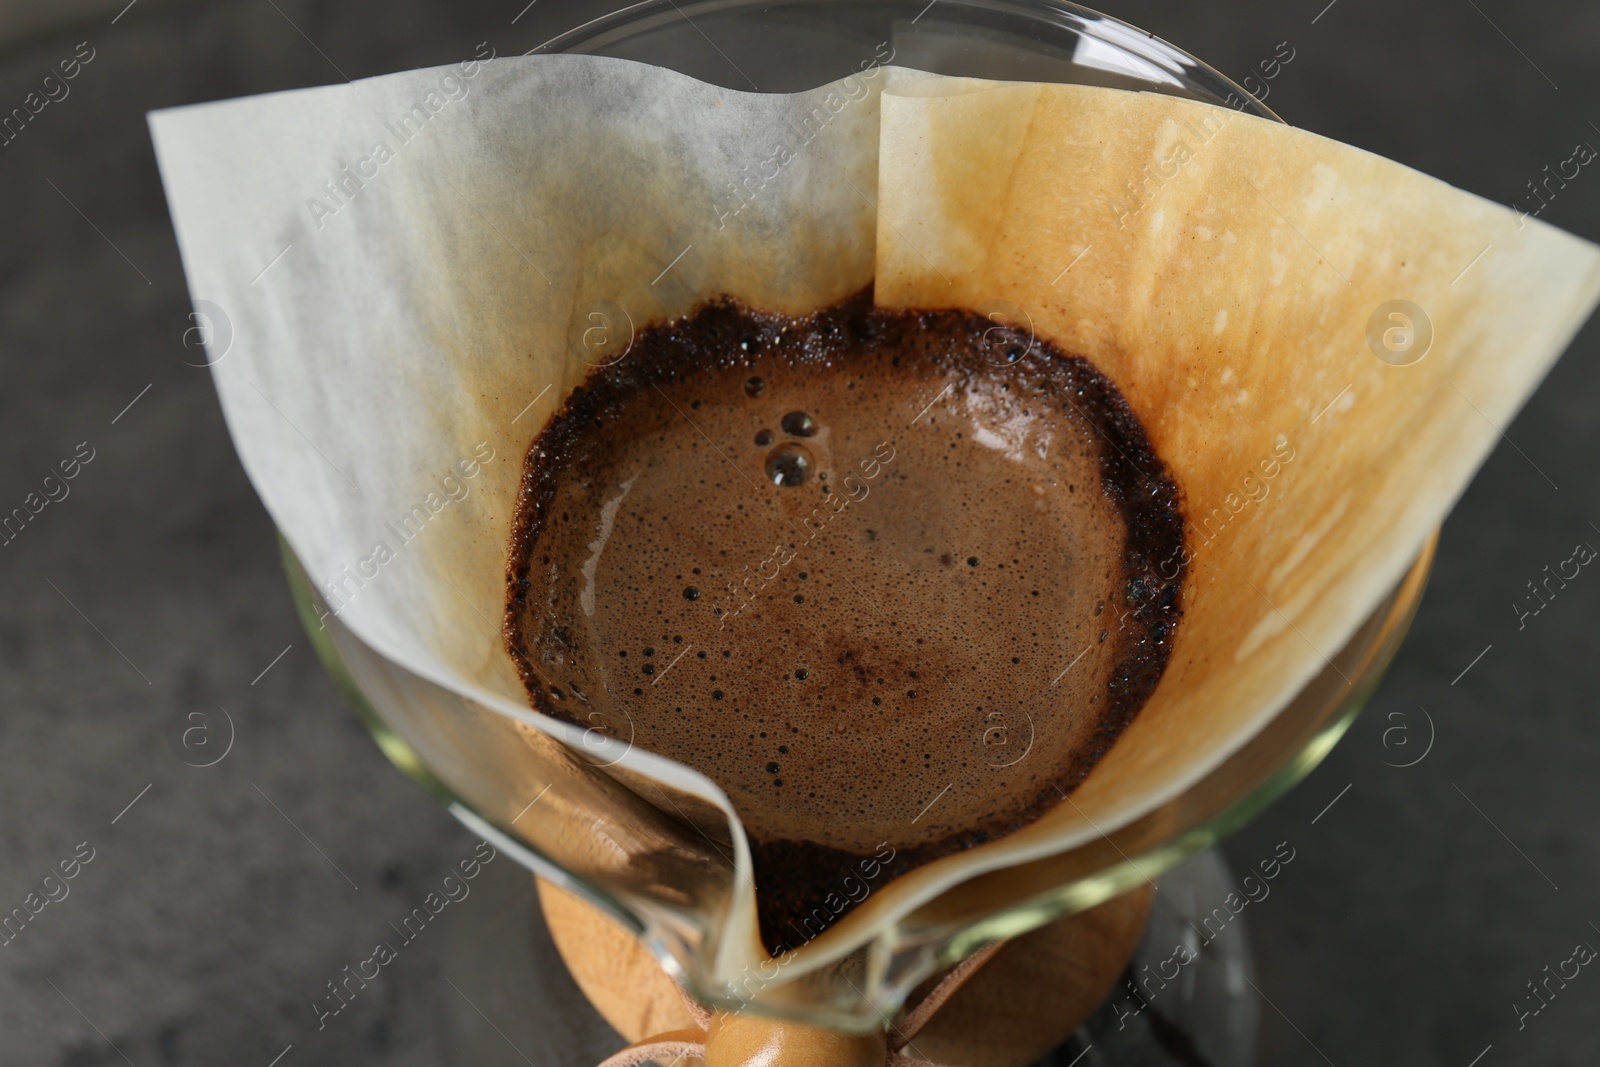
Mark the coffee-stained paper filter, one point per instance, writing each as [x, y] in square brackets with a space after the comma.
[1323, 345]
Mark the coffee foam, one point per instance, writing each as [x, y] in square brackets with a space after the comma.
[927, 640]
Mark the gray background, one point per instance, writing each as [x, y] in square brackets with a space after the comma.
[1415, 910]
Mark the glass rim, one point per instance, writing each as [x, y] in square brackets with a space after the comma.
[1201, 78]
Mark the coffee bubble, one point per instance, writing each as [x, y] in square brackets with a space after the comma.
[799, 424]
[789, 464]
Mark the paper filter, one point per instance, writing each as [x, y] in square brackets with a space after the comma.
[1322, 344]
[403, 278]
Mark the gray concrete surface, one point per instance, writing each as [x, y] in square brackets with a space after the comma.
[218, 905]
